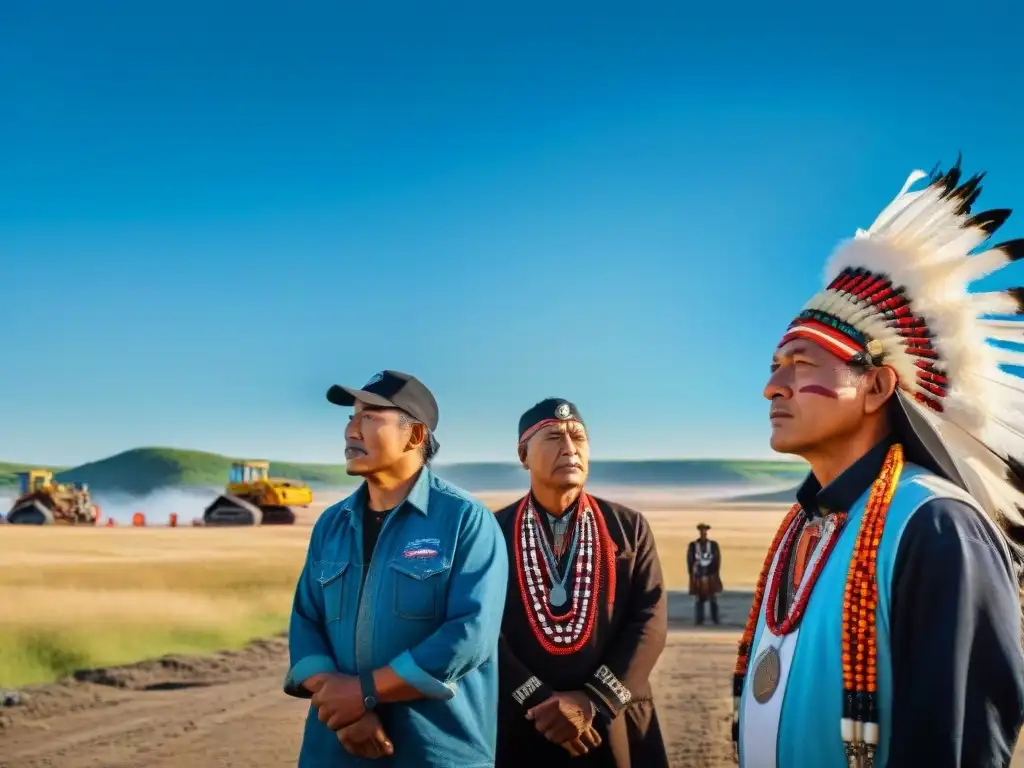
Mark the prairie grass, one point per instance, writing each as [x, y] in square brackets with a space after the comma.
[74, 597]
[80, 597]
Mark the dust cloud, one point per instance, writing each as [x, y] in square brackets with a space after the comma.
[157, 506]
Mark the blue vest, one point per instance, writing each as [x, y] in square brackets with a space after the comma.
[800, 724]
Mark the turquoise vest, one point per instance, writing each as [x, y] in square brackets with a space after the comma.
[807, 705]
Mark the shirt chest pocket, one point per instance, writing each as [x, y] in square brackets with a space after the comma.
[332, 577]
[419, 587]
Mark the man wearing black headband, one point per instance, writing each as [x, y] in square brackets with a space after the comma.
[397, 613]
[585, 617]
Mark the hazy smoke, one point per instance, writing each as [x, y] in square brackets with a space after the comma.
[156, 506]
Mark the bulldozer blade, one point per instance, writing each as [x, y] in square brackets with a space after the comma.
[232, 510]
[30, 512]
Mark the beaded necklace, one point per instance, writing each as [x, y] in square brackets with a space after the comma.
[859, 723]
[561, 632]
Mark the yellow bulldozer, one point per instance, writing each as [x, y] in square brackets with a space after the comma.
[252, 497]
[42, 501]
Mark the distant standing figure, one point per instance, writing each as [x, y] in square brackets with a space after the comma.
[704, 562]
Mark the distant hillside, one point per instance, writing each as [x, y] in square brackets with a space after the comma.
[668, 472]
[143, 470]
[786, 496]
[8, 473]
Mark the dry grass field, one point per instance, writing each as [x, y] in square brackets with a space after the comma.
[80, 598]
[76, 597]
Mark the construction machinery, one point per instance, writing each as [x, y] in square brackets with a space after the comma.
[42, 501]
[252, 497]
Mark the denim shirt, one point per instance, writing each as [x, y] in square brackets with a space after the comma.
[431, 608]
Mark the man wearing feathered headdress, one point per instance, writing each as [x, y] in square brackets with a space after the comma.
[886, 624]
[586, 615]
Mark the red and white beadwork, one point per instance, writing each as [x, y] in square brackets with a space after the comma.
[905, 293]
[593, 570]
[815, 565]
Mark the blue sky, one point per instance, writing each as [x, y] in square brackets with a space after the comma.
[211, 211]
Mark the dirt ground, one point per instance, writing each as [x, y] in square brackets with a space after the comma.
[227, 710]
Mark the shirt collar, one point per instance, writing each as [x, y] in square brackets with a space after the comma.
[418, 498]
[843, 492]
[551, 516]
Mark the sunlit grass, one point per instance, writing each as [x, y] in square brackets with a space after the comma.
[74, 598]
[81, 597]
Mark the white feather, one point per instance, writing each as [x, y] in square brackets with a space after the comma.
[900, 202]
[919, 242]
[991, 303]
[981, 265]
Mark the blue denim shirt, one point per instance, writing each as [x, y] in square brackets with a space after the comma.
[431, 608]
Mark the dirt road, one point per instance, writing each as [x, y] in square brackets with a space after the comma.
[228, 711]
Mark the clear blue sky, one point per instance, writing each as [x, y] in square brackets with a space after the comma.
[211, 211]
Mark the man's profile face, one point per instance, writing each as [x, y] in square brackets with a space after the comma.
[558, 455]
[374, 439]
[815, 397]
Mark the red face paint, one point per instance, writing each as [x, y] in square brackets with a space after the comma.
[817, 389]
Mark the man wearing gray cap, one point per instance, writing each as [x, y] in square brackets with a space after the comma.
[397, 612]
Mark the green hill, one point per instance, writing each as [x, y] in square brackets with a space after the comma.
[143, 470]
[9, 469]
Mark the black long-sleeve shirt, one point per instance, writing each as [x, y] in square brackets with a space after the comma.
[613, 668]
[955, 630]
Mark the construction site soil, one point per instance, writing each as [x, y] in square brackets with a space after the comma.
[228, 709]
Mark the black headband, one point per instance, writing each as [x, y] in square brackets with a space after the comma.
[549, 411]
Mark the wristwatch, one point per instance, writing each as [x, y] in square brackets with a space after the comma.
[369, 689]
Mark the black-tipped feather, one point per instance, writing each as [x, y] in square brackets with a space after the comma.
[1018, 296]
[1014, 249]
[969, 193]
[952, 177]
[1015, 473]
[948, 180]
[989, 221]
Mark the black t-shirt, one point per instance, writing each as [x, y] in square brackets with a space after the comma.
[373, 521]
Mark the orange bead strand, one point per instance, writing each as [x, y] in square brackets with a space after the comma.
[859, 652]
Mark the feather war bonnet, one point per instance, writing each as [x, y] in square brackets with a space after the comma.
[898, 295]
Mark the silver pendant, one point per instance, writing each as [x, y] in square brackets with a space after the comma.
[557, 596]
[766, 675]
